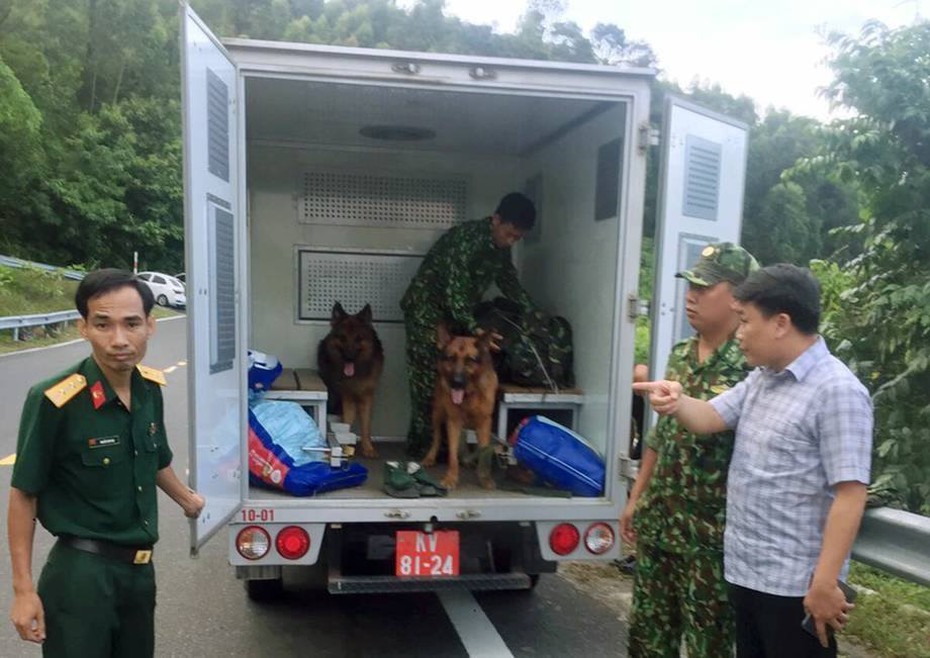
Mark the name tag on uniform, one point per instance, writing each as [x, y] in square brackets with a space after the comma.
[103, 442]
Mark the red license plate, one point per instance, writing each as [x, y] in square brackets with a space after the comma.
[427, 554]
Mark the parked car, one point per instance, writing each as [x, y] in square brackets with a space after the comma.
[168, 290]
[182, 277]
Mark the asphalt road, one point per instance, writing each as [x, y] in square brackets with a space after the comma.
[203, 610]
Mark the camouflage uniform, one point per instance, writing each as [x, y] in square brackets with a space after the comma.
[679, 521]
[450, 283]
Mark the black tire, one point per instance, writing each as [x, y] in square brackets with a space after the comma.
[264, 591]
[534, 581]
[162, 300]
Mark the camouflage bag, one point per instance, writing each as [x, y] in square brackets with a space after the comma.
[536, 349]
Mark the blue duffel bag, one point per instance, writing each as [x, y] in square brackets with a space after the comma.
[561, 458]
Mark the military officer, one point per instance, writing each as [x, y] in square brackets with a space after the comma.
[91, 450]
[450, 282]
[675, 512]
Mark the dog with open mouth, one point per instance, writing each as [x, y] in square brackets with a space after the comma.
[350, 360]
[463, 398]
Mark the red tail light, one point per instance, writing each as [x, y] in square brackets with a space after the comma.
[292, 542]
[564, 539]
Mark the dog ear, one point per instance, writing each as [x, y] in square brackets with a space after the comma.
[365, 314]
[442, 336]
[338, 314]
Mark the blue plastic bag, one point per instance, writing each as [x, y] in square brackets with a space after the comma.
[291, 428]
[563, 459]
[272, 467]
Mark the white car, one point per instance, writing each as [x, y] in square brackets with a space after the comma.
[168, 291]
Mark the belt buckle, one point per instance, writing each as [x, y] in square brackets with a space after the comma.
[142, 557]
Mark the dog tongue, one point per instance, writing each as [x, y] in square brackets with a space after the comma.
[458, 395]
[348, 370]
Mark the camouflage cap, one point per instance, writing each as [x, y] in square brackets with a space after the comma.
[721, 261]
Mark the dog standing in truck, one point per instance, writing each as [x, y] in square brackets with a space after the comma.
[350, 360]
[463, 398]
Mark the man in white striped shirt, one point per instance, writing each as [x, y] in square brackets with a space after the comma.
[797, 482]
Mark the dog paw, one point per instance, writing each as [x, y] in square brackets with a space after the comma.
[450, 482]
[429, 460]
[487, 482]
[368, 450]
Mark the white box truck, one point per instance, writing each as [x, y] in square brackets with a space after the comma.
[316, 174]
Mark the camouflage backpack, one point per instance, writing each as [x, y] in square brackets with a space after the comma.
[536, 349]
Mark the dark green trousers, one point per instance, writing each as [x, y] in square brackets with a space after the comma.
[97, 607]
[421, 376]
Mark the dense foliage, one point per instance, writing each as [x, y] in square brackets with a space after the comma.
[880, 285]
[91, 154]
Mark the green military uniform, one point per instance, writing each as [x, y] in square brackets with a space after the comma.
[92, 464]
[679, 522]
[447, 287]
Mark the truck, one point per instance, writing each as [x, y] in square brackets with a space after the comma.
[315, 174]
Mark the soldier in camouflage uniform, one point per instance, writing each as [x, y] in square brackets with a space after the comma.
[676, 510]
[450, 283]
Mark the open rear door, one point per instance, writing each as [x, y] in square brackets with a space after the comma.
[214, 235]
[703, 173]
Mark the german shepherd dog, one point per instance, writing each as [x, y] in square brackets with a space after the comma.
[464, 396]
[350, 360]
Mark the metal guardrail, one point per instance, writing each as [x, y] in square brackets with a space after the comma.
[9, 261]
[897, 542]
[17, 322]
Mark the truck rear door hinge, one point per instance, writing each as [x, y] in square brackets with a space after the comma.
[648, 136]
[636, 307]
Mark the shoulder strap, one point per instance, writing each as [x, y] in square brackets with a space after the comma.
[67, 388]
[153, 375]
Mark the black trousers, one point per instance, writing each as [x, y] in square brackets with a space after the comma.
[769, 626]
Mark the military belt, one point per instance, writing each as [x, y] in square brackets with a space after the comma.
[129, 554]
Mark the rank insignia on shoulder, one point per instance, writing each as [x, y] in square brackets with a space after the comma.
[719, 388]
[67, 388]
[153, 375]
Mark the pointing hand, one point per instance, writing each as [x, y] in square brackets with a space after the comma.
[664, 395]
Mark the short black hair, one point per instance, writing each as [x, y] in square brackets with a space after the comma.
[100, 282]
[517, 209]
[784, 288]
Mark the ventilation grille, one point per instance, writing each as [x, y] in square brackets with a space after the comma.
[217, 126]
[346, 199]
[702, 178]
[223, 281]
[353, 279]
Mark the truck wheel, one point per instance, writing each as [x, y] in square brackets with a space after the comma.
[534, 581]
[264, 591]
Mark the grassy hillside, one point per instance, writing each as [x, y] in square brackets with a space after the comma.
[26, 290]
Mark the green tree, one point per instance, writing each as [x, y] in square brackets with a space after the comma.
[880, 322]
[20, 153]
[776, 144]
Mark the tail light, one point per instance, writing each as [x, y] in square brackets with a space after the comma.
[253, 542]
[293, 542]
[599, 538]
[564, 539]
